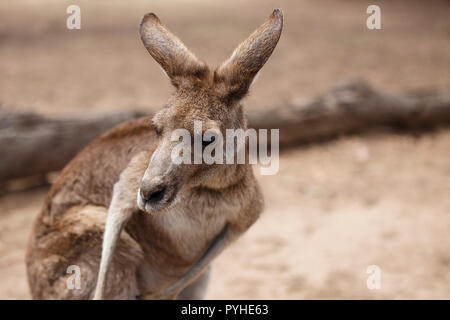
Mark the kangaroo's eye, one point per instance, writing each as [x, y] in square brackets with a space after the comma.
[158, 130]
[207, 143]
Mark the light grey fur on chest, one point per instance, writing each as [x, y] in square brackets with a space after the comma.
[193, 223]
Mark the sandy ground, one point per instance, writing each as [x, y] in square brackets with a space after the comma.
[333, 209]
[337, 208]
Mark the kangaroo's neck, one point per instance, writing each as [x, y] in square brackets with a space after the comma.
[229, 176]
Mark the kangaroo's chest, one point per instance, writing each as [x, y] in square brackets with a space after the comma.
[191, 229]
[173, 241]
[188, 230]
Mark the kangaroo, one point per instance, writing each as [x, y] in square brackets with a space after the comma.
[136, 224]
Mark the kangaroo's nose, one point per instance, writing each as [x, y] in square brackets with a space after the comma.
[153, 195]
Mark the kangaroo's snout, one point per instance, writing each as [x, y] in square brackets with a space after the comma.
[153, 195]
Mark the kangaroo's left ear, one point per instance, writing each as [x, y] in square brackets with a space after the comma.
[173, 56]
[237, 73]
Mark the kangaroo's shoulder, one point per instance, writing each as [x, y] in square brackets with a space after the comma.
[91, 175]
[130, 128]
[114, 149]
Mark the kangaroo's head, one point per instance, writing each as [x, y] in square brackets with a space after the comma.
[209, 97]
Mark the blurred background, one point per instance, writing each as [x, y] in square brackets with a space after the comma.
[335, 207]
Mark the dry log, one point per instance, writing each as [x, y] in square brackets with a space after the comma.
[353, 106]
[33, 144]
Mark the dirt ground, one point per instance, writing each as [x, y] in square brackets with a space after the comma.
[334, 208]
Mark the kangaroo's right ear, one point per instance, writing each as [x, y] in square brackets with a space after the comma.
[176, 60]
[237, 73]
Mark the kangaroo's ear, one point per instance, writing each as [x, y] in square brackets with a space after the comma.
[176, 60]
[237, 73]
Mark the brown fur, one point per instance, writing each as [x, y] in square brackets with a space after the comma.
[156, 249]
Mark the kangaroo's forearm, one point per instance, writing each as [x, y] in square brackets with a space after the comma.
[121, 208]
[115, 222]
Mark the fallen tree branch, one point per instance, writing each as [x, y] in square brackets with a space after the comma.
[353, 106]
[33, 144]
